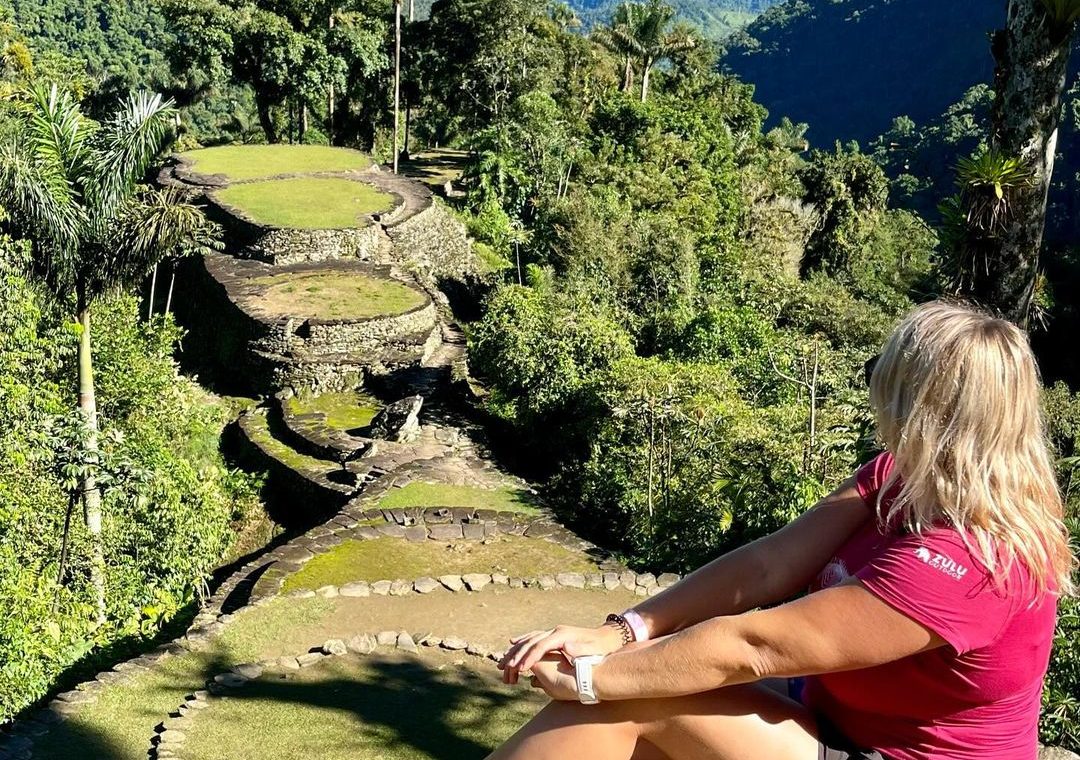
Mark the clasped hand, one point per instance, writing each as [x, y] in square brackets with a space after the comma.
[549, 655]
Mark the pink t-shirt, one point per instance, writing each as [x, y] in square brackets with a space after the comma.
[976, 698]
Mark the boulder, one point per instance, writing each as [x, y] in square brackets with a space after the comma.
[400, 421]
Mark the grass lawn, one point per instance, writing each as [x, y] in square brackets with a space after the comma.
[253, 161]
[419, 494]
[392, 558]
[335, 295]
[118, 726]
[386, 705]
[344, 411]
[308, 202]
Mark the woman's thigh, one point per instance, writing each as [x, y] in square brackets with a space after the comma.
[749, 722]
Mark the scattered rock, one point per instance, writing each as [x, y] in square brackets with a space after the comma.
[405, 641]
[288, 663]
[571, 580]
[364, 643]
[309, 658]
[399, 421]
[355, 589]
[547, 582]
[327, 592]
[667, 580]
[454, 644]
[381, 588]
[334, 647]
[401, 588]
[628, 580]
[452, 582]
[230, 680]
[386, 638]
[648, 580]
[476, 581]
[248, 670]
[500, 579]
[594, 580]
[476, 650]
[447, 532]
[611, 581]
[425, 585]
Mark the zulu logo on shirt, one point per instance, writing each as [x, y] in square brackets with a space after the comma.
[947, 565]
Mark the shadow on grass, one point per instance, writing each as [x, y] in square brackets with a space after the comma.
[406, 705]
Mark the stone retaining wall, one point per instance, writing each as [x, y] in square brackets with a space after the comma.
[263, 353]
[435, 244]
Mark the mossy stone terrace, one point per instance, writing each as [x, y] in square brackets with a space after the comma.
[421, 494]
[390, 558]
[335, 295]
[245, 162]
[312, 203]
[345, 411]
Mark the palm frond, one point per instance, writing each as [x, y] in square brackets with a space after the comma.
[124, 148]
[56, 131]
[1063, 13]
[38, 203]
[154, 225]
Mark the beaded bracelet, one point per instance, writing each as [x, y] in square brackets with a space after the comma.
[624, 628]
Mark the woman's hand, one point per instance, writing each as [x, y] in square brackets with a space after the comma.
[529, 649]
[555, 676]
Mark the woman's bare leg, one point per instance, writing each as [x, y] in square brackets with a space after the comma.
[736, 723]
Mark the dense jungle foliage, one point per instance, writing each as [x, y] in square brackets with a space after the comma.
[676, 342]
[173, 507]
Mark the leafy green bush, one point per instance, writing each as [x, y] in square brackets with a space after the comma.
[170, 502]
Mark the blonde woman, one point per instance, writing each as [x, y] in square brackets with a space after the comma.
[934, 574]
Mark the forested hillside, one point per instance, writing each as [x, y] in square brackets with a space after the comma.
[715, 18]
[847, 67]
[643, 291]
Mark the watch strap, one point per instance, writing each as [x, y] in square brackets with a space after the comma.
[583, 677]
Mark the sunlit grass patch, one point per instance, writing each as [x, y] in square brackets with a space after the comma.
[240, 162]
[308, 202]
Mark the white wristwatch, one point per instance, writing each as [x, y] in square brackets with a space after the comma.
[583, 677]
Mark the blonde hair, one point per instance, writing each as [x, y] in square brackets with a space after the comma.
[956, 395]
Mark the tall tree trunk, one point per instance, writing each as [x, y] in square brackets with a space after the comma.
[408, 128]
[646, 70]
[628, 74]
[303, 122]
[90, 491]
[412, 11]
[172, 282]
[153, 289]
[266, 119]
[1032, 56]
[397, 77]
[330, 98]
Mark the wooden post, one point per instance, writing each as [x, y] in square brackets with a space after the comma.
[397, 78]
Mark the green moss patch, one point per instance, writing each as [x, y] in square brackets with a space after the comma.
[420, 494]
[308, 202]
[239, 162]
[386, 706]
[259, 431]
[391, 558]
[336, 295]
[344, 411]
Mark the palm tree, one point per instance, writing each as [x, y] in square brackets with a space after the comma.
[70, 186]
[647, 36]
[617, 38]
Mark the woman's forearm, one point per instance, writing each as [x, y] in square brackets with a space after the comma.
[705, 656]
[733, 583]
[762, 573]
